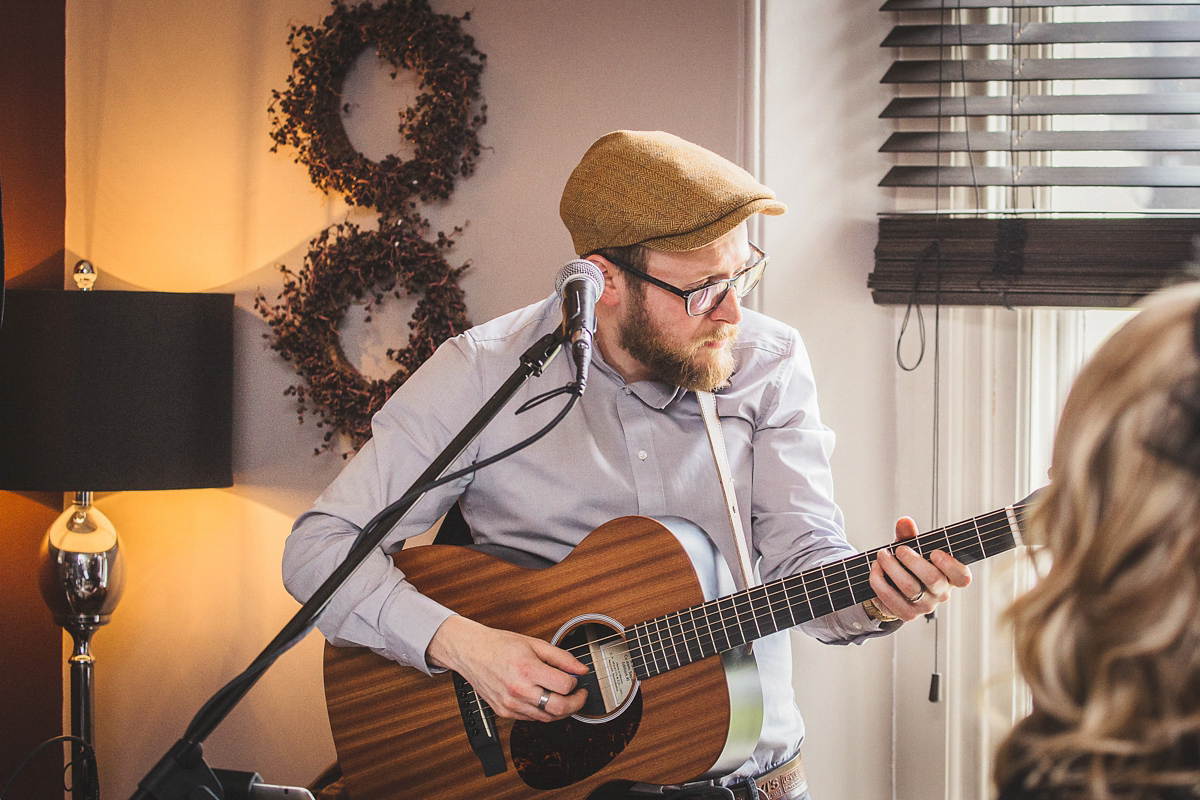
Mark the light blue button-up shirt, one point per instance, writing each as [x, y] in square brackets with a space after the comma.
[636, 448]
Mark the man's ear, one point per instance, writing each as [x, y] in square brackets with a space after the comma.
[614, 285]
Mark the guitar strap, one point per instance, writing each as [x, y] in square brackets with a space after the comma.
[712, 423]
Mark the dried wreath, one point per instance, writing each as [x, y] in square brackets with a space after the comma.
[344, 264]
[440, 124]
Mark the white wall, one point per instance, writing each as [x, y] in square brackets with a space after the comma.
[172, 186]
[822, 133]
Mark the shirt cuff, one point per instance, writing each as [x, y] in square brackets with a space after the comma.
[851, 625]
[861, 622]
[410, 623]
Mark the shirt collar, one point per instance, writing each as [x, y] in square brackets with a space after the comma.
[655, 394]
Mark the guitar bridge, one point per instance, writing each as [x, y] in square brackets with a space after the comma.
[480, 723]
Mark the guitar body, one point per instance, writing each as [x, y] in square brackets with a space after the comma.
[402, 734]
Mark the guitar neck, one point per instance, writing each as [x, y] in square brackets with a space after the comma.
[682, 637]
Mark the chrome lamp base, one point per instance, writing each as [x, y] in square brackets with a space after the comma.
[81, 579]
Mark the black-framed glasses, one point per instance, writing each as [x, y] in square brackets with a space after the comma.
[703, 299]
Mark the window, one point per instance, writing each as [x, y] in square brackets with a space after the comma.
[1004, 372]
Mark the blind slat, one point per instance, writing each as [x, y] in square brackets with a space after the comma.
[1041, 141]
[1029, 33]
[1043, 176]
[1042, 69]
[935, 5]
[1041, 105]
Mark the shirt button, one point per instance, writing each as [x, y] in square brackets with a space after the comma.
[643, 455]
[626, 390]
[857, 626]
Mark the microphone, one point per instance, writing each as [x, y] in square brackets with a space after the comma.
[579, 284]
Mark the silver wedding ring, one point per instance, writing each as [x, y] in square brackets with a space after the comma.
[917, 596]
[544, 699]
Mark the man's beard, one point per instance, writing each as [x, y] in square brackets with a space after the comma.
[678, 364]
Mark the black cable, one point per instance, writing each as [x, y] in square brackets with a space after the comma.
[937, 191]
[88, 752]
[934, 250]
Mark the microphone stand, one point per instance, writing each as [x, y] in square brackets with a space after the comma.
[182, 774]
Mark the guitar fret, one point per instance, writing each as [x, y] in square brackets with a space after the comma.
[687, 639]
[678, 639]
[964, 538]
[656, 646]
[841, 595]
[1000, 535]
[691, 641]
[637, 651]
[706, 648]
[671, 652]
[711, 613]
[646, 649]
[781, 612]
[675, 642]
[808, 609]
[782, 616]
[758, 607]
[742, 610]
[935, 540]
[672, 641]
[858, 571]
[829, 593]
[818, 598]
[726, 608]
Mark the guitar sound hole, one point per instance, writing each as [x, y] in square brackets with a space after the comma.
[611, 680]
[554, 755]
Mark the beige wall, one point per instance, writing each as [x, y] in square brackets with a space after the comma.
[821, 136]
[172, 186]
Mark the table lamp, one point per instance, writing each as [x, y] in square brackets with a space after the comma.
[108, 391]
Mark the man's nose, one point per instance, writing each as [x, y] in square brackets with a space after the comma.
[728, 310]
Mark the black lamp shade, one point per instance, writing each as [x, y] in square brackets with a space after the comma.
[113, 391]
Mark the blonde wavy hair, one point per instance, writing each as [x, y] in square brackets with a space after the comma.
[1109, 639]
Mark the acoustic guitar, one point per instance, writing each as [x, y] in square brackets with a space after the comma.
[648, 605]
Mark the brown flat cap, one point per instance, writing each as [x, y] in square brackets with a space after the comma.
[653, 188]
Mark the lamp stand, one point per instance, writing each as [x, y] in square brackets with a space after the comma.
[81, 579]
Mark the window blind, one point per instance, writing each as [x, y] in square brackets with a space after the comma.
[1013, 102]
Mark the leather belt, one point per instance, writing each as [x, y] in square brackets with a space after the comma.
[785, 782]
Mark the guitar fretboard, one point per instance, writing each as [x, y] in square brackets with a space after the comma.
[682, 637]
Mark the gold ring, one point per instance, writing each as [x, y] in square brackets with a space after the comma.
[545, 699]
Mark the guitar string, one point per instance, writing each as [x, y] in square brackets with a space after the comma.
[673, 632]
[984, 536]
[988, 535]
[776, 594]
[955, 535]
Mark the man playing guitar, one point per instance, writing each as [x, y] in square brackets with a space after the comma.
[664, 221]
